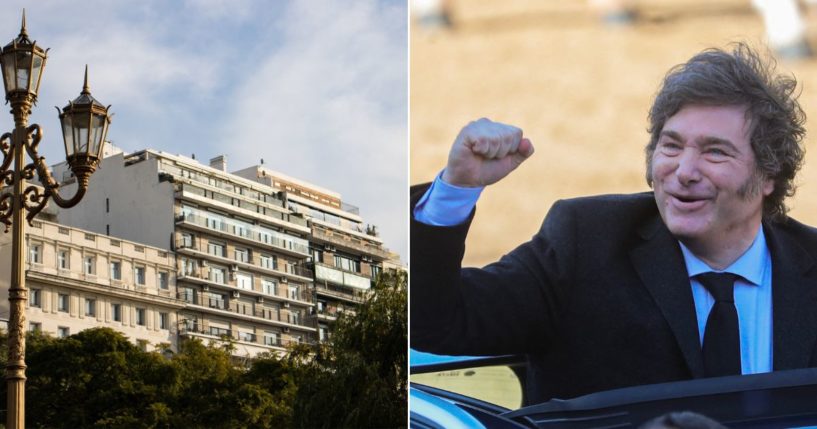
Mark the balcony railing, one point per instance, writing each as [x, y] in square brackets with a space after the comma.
[341, 292]
[349, 242]
[329, 274]
[249, 232]
[304, 296]
[246, 309]
[266, 340]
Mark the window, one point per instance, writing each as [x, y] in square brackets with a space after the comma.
[246, 336]
[116, 312]
[216, 249]
[163, 321]
[323, 332]
[347, 263]
[214, 223]
[35, 299]
[107, 205]
[243, 281]
[63, 332]
[186, 241]
[294, 317]
[35, 254]
[62, 302]
[116, 270]
[240, 229]
[163, 280]
[317, 255]
[189, 266]
[272, 339]
[321, 306]
[35, 327]
[269, 262]
[269, 287]
[62, 259]
[90, 307]
[376, 270]
[90, 265]
[217, 274]
[293, 291]
[140, 316]
[219, 332]
[242, 255]
[188, 295]
[139, 275]
[215, 300]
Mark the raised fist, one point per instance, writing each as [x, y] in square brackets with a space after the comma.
[485, 152]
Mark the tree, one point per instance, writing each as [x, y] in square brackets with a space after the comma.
[360, 378]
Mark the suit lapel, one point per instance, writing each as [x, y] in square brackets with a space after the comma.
[660, 264]
[794, 299]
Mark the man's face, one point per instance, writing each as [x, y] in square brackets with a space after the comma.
[706, 182]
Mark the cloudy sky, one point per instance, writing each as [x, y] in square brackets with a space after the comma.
[317, 88]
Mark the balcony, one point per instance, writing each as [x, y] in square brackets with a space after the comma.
[302, 297]
[297, 272]
[245, 234]
[329, 274]
[251, 312]
[196, 329]
[273, 216]
[349, 242]
[340, 292]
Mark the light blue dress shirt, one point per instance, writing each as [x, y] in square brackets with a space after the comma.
[447, 205]
[753, 300]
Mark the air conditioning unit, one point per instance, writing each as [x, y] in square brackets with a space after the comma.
[286, 305]
[260, 299]
[284, 280]
[236, 294]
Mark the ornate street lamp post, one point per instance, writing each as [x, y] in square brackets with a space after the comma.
[84, 126]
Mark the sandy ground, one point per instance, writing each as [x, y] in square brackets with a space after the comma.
[579, 89]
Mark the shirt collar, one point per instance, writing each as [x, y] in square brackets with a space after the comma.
[750, 265]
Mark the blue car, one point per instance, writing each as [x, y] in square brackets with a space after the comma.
[461, 392]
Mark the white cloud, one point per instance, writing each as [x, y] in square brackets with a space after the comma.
[316, 88]
[329, 107]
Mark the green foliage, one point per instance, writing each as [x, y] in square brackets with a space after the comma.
[359, 380]
[98, 379]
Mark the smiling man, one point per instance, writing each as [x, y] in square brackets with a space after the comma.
[704, 276]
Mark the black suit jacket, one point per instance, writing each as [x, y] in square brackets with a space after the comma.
[598, 299]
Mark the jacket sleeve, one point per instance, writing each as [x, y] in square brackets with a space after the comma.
[510, 306]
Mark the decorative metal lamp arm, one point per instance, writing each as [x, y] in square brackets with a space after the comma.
[35, 200]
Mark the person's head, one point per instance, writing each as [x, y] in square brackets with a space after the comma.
[740, 77]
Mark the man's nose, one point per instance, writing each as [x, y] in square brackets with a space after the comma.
[688, 170]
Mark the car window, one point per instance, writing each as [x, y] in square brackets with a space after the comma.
[495, 384]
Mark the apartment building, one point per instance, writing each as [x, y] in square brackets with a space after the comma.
[346, 253]
[243, 255]
[78, 280]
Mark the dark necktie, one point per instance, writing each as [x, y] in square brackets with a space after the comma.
[722, 336]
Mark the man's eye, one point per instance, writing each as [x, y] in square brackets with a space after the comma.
[671, 147]
[716, 152]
